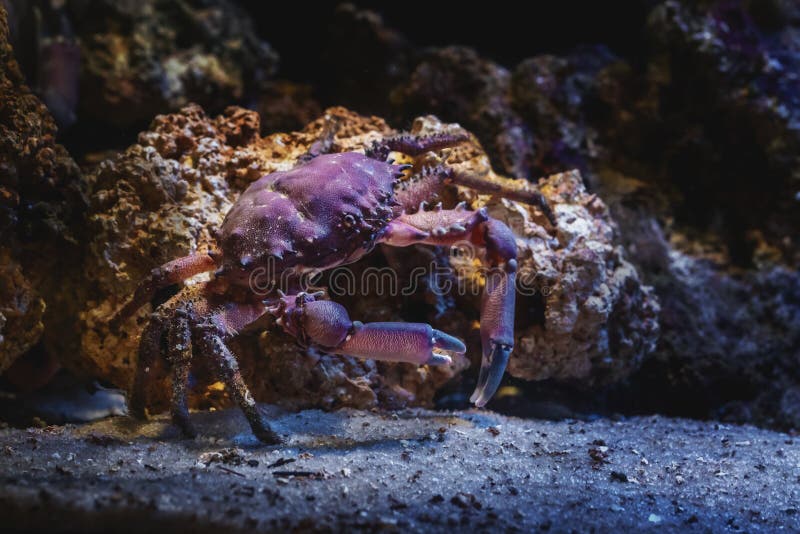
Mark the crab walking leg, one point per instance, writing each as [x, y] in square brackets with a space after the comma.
[209, 341]
[149, 351]
[327, 325]
[179, 356]
[428, 183]
[414, 145]
[447, 227]
[520, 193]
[170, 273]
[323, 144]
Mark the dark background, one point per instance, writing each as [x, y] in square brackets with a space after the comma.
[506, 32]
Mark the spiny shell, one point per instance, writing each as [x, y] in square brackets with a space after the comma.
[326, 212]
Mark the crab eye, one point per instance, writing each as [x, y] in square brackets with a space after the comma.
[349, 220]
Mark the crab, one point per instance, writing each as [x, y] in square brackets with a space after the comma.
[331, 209]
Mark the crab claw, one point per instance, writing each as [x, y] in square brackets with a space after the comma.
[493, 365]
[327, 325]
[401, 342]
[445, 342]
[497, 330]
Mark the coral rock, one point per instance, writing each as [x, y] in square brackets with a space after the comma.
[21, 312]
[149, 57]
[457, 84]
[41, 210]
[584, 315]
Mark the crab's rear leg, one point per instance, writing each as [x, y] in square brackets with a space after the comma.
[210, 343]
[327, 325]
[428, 183]
[179, 355]
[324, 143]
[413, 145]
[448, 227]
[195, 322]
[149, 351]
[170, 273]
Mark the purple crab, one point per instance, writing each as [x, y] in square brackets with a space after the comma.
[329, 210]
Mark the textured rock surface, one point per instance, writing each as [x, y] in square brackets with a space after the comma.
[726, 76]
[456, 84]
[164, 196]
[41, 206]
[693, 147]
[125, 62]
[413, 471]
[736, 360]
[144, 58]
[585, 316]
[719, 230]
[378, 57]
[285, 106]
[600, 320]
[21, 311]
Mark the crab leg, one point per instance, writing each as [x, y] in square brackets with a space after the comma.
[427, 184]
[149, 350]
[482, 185]
[447, 227]
[170, 273]
[327, 325]
[180, 357]
[211, 344]
[324, 144]
[413, 145]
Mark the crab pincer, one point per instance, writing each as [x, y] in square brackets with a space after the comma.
[401, 342]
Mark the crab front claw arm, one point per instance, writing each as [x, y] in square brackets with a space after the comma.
[327, 325]
[497, 330]
[448, 227]
[401, 342]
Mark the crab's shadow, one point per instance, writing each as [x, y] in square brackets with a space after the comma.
[307, 430]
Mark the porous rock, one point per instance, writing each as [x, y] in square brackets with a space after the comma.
[457, 84]
[41, 207]
[583, 314]
[21, 311]
[693, 147]
[149, 57]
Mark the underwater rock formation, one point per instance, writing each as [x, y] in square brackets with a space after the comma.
[737, 359]
[144, 58]
[725, 77]
[41, 209]
[565, 99]
[163, 198]
[285, 106]
[693, 146]
[456, 82]
[116, 65]
[583, 314]
[713, 140]
[21, 311]
[378, 58]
